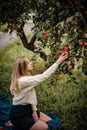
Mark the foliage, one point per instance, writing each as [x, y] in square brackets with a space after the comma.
[65, 28]
[15, 13]
[60, 25]
[3, 27]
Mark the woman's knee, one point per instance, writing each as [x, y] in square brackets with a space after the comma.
[39, 125]
[44, 117]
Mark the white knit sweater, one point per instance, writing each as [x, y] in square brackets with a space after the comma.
[26, 94]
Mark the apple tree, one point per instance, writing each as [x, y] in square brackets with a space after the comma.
[62, 27]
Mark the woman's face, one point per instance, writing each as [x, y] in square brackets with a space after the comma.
[29, 66]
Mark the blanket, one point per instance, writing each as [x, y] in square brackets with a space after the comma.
[5, 106]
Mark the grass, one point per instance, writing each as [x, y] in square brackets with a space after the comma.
[3, 27]
[66, 97]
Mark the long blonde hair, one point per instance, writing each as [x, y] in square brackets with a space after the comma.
[19, 69]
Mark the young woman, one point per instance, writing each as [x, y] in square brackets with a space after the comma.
[24, 114]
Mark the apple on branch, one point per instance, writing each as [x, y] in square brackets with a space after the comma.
[45, 35]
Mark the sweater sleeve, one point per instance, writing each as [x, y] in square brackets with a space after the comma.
[35, 80]
[34, 108]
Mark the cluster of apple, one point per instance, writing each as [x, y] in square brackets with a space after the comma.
[66, 50]
[83, 44]
[69, 65]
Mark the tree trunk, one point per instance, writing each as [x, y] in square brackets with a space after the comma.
[28, 45]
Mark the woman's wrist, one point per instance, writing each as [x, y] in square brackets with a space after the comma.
[58, 62]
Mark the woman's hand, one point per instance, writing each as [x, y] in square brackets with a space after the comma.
[62, 57]
[35, 116]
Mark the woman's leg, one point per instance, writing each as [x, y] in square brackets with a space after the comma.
[39, 125]
[43, 117]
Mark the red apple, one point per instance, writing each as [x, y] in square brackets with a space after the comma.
[59, 52]
[45, 35]
[71, 62]
[66, 45]
[85, 43]
[70, 68]
[65, 52]
[81, 43]
[66, 48]
[69, 24]
[73, 52]
[78, 28]
[85, 53]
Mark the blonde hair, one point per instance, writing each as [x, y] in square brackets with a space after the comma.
[19, 69]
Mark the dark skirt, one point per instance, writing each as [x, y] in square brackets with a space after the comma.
[21, 116]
